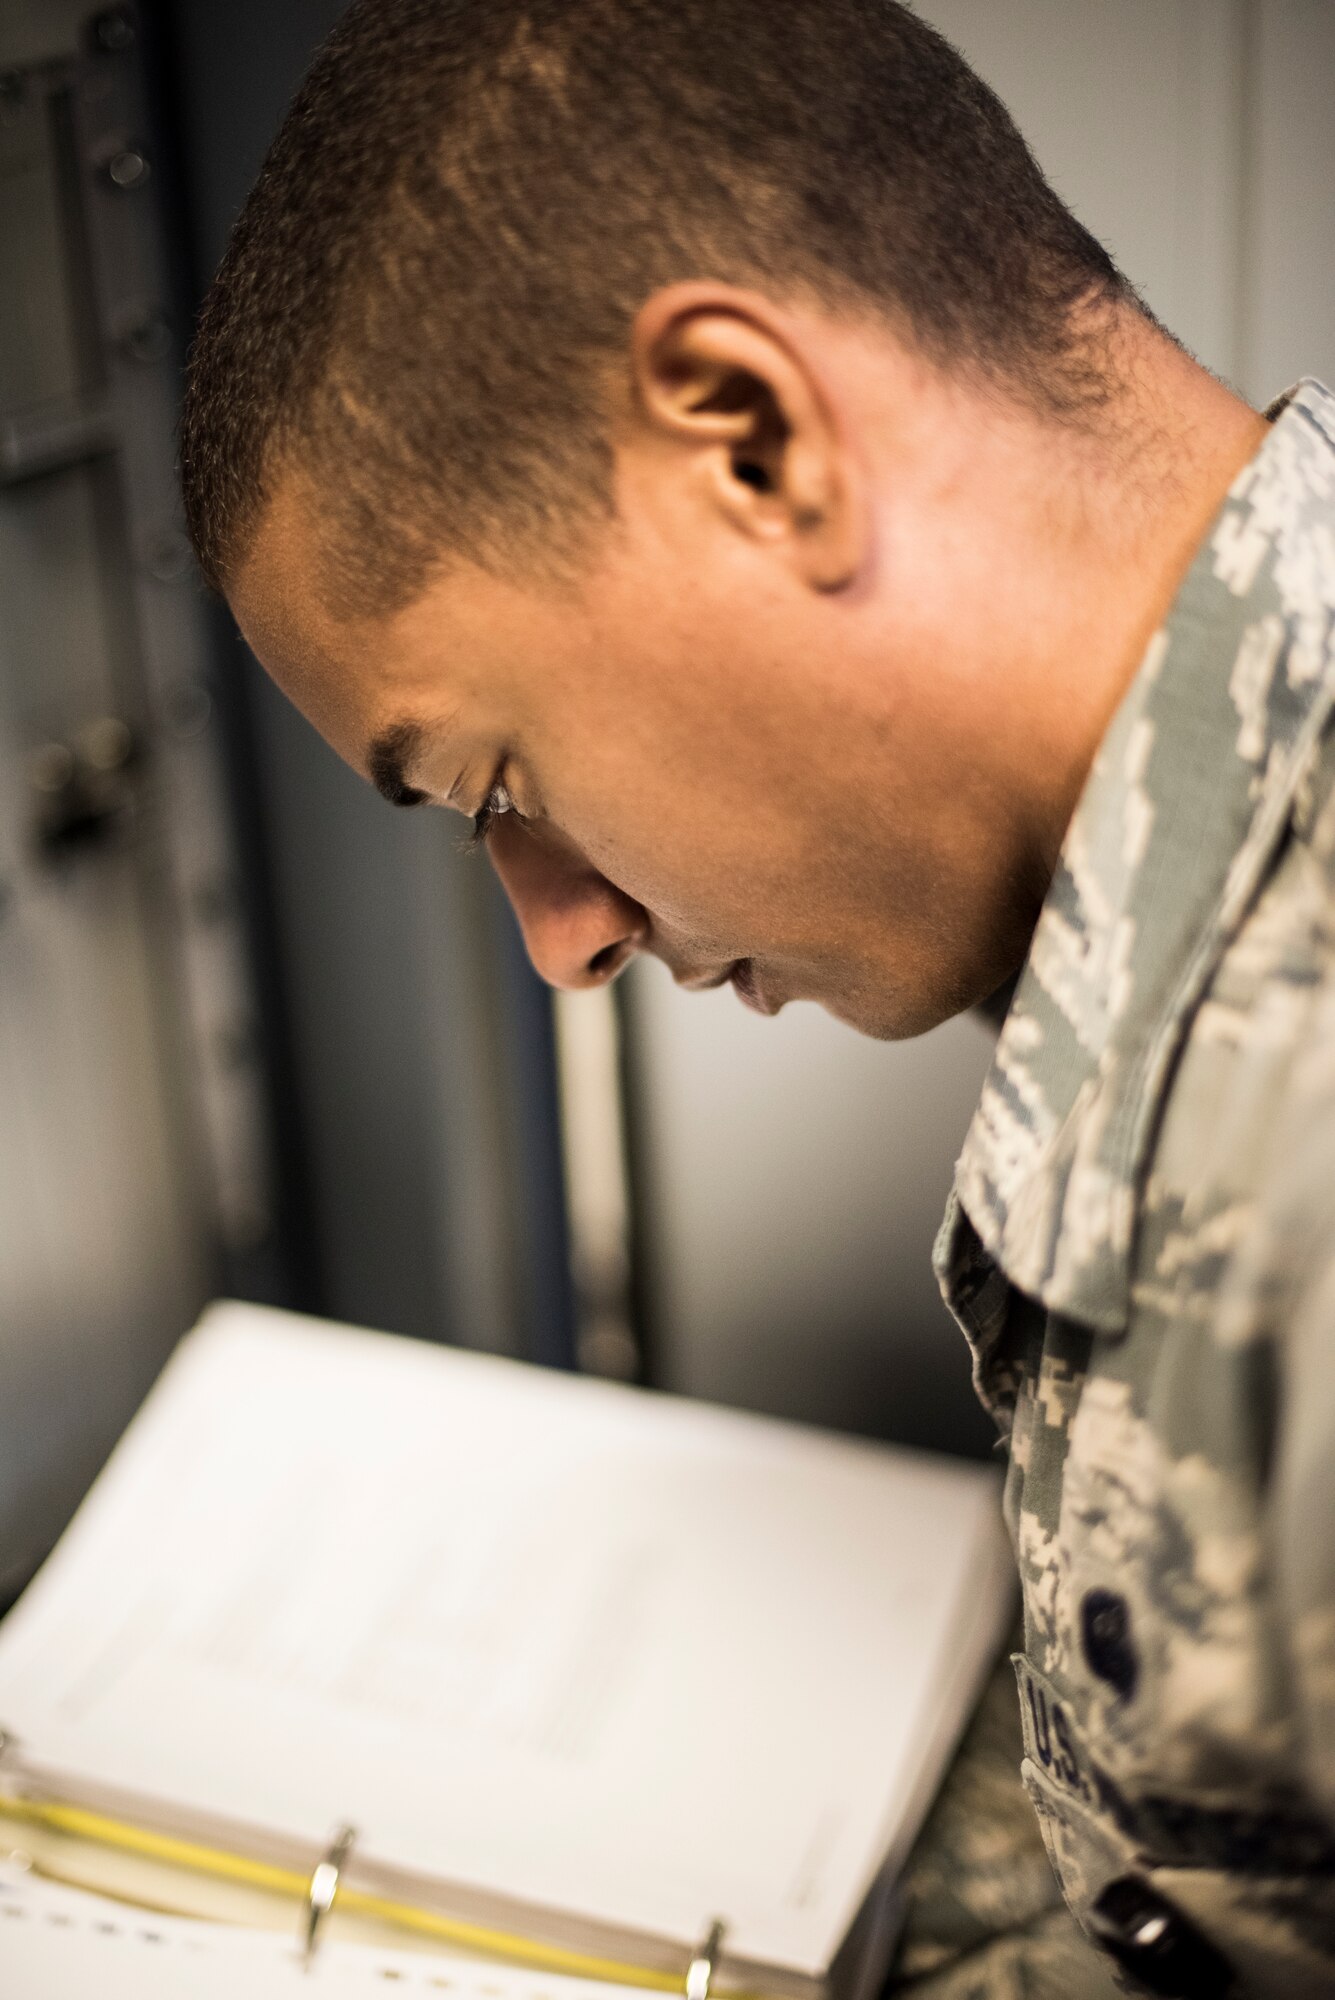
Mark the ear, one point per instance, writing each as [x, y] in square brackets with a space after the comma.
[718, 375]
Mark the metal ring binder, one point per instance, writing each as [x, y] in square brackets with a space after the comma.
[700, 1971]
[323, 1887]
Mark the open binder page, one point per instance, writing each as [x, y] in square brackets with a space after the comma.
[62, 1944]
[596, 1650]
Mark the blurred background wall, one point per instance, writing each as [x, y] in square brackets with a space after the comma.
[257, 1032]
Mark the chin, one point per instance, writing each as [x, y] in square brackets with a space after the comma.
[899, 1014]
[883, 1024]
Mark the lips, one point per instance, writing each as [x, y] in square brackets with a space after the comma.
[740, 975]
[703, 982]
[743, 979]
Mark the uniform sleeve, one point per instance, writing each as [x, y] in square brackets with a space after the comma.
[1303, 1517]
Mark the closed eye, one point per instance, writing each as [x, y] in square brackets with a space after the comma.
[496, 804]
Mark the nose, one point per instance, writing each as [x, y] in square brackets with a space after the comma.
[579, 928]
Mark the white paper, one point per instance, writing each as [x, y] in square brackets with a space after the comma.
[58, 1943]
[601, 1650]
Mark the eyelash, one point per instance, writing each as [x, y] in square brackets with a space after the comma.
[488, 814]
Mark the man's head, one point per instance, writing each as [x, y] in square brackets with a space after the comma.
[662, 420]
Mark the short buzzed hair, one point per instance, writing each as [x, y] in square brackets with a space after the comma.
[469, 201]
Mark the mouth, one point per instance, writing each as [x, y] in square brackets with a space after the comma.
[742, 978]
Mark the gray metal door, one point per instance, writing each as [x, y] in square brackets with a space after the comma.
[128, 1119]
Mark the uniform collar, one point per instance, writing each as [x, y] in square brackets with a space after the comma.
[1187, 799]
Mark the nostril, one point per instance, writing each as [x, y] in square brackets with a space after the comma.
[605, 962]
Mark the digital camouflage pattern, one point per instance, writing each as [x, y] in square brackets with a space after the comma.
[984, 1917]
[1141, 1250]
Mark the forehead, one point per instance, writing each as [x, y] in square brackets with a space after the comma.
[277, 603]
[477, 654]
[543, 667]
[351, 677]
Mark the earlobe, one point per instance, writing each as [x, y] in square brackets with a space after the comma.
[828, 511]
[719, 376]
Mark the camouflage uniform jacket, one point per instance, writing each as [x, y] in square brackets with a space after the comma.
[1141, 1250]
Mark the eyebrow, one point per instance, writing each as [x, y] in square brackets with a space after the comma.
[388, 758]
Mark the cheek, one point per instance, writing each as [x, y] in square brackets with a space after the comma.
[692, 777]
[634, 792]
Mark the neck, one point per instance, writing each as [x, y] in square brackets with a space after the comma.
[1150, 486]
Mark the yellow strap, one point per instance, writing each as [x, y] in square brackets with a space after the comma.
[289, 1882]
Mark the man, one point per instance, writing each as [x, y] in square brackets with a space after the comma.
[694, 441]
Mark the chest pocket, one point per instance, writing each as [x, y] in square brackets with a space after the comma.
[1193, 1899]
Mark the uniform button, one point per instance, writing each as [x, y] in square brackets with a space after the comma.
[1157, 1945]
[1105, 1633]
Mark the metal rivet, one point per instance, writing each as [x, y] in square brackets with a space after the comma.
[51, 767]
[188, 710]
[149, 339]
[106, 745]
[113, 30]
[129, 169]
[168, 557]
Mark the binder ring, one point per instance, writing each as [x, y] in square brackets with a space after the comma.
[700, 1971]
[323, 1887]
